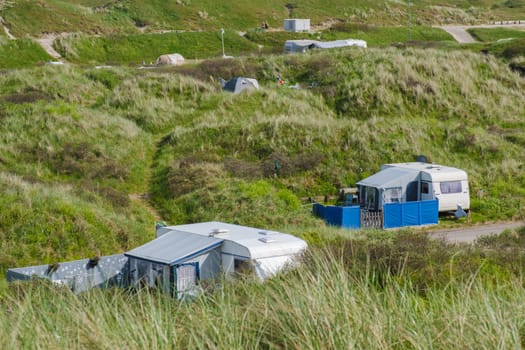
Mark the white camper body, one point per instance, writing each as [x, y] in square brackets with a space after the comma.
[416, 181]
[264, 252]
[297, 25]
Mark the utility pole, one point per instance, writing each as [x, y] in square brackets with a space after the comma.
[222, 37]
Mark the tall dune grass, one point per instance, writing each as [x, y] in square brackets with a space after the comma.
[42, 223]
[337, 299]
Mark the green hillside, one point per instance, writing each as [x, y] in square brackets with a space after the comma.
[21, 53]
[91, 157]
[28, 17]
[102, 137]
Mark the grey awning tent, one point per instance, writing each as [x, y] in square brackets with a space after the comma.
[174, 248]
[387, 186]
[390, 177]
[240, 84]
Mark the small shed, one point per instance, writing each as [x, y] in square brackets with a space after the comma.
[297, 25]
[173, 59]
[240, 84]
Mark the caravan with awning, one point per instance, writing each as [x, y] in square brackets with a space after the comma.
[415, 181]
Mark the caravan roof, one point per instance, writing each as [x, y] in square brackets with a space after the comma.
[174, 248]
[436, 172]
[245, 241]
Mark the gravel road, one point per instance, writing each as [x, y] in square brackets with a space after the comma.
[470, 234]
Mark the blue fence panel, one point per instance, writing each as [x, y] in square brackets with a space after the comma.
[392, 215]
[429, 212]
[333, 215]
[348, 217]
[395, 214]
[318, 210]
[351, 217]
[410, 213]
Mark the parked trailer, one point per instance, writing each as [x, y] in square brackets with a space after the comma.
[416, 181]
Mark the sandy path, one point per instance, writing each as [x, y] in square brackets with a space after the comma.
[47, 44]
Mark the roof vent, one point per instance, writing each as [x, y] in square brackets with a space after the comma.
[266, 233]
[218, 231]
[267, 239]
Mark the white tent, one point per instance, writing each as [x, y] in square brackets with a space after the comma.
[173, 59]
[239, 84]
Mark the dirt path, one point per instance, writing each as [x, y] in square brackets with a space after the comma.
[470, 234]
[143, 199]
[463, 37]
[47, 44]
[6, 30]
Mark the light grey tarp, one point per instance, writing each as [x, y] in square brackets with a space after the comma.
[240, 84]
[174, 247]
[78, 275]
[304, 45]
[340, 43]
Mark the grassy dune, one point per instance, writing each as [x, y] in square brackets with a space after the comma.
[79, 145]
[422, 106]
[203, 154]
[494, 34]
[27, 17]
[134, 49]
[21, 53]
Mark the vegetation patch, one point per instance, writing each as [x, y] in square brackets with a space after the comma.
[26, 97]
[495, 34]
[21, 53]
[145, 48]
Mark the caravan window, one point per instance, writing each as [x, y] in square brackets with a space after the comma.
[424, 187]
[450, 187]
[392, 195]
